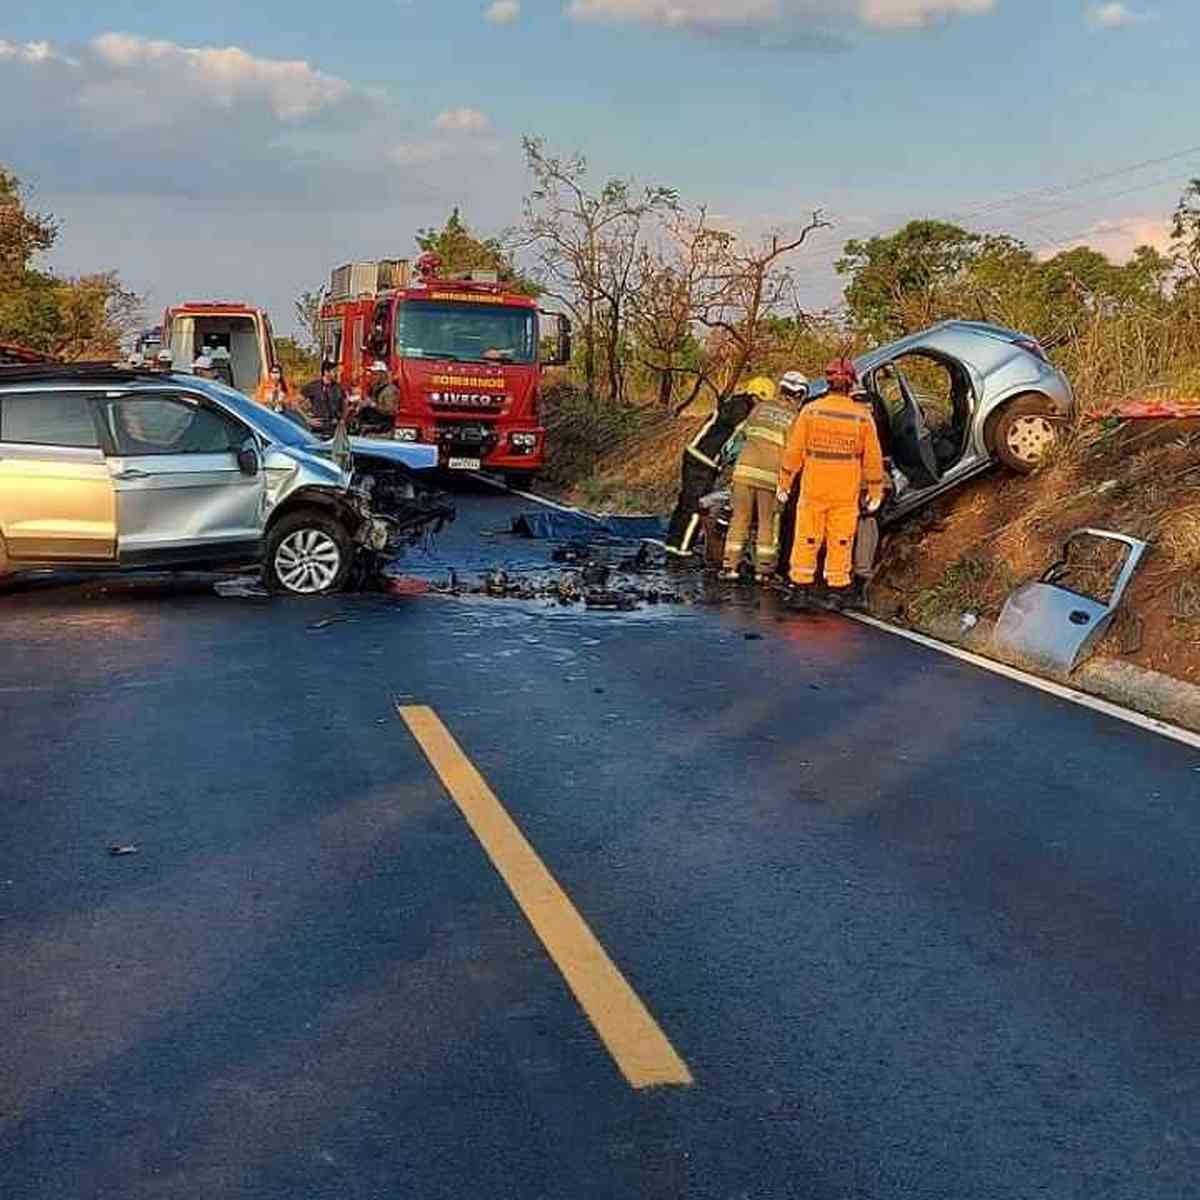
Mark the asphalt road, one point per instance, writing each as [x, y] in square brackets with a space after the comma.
[915, 930]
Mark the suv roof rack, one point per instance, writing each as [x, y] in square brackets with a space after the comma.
[98, 372]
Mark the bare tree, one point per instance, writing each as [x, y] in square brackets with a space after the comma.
[740, 295]
[586, 248]
[672, 273]
[308, 314]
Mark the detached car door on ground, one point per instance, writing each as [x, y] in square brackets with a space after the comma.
[57, 495]
[182, 494]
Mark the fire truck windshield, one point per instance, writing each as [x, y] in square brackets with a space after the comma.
[465, 332]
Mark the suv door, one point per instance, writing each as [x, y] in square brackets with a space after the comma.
[181, 494]
[57, 500]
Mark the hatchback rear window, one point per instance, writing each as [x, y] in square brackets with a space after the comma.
[47, 419]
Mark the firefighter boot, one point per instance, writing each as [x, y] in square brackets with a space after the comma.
[799, 597]
[836, 598]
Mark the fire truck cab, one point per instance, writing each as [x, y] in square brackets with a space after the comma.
[237, 337]
[465, 354]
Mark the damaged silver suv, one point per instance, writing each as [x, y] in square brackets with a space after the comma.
[109, 468]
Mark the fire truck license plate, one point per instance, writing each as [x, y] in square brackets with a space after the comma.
[464, 464]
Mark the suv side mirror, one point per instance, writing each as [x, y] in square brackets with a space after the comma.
[248, 461]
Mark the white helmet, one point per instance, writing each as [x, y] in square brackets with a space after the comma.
[202, 363]
[165, 356]
[794, 383]
[380, 366]
[220, 352]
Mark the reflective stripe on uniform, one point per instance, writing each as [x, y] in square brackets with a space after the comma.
[756, 476]
[765, 433]
[685, 542]
[832, 456]
[708, 462]
[840, 416]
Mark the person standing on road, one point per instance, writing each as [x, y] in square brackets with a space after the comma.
[202, 367]
[701, 461]
[835, 449]
[756, 479]
[275, 392]
[378, 415]
[324, 400]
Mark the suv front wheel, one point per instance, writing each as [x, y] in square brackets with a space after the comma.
[308, 553]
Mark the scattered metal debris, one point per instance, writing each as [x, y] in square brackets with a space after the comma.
[119, 850]
[241, 587]
[1049, 625]
[612, 601]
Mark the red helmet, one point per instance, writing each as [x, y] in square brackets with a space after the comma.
[841, 371]
[429, 264]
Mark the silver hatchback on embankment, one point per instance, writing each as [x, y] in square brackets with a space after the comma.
[953, 400]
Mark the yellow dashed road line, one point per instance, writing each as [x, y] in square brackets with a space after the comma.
[640, 1048]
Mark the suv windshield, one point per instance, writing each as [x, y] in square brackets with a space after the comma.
[280, 429]
[465, 332]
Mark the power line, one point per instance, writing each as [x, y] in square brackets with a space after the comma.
[1061, 189]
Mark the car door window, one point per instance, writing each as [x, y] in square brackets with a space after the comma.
[170, 425]
[47, 419]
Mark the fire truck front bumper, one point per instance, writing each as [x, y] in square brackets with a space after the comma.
[475, 445]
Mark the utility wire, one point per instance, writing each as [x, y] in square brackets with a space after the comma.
[1061, 189]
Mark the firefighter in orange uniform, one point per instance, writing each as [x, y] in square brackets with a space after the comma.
[834, 447]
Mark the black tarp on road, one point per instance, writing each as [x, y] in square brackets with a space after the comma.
[559, 525]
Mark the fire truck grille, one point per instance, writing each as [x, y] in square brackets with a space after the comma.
[466, 436]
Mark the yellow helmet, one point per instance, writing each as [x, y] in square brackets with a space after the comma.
[761, 388]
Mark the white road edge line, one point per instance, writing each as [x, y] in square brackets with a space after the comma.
[1058, 690]
[1151, 724]
[530, 496]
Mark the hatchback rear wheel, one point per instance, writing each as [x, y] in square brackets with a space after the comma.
[1025, 433]
[308, 554]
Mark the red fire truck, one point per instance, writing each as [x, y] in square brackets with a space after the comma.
[465, 353]
[236, 336]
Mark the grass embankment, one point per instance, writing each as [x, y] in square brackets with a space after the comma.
[966, 552]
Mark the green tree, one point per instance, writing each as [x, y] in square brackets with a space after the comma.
[903, 282]
[83, 317]
[22, 233]
[301, 364]
[461, 250]
[1185, 231]
[308, 315]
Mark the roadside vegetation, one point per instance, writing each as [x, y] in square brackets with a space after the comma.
[74, 317]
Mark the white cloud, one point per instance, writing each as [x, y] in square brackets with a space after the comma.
[913, 14]
[1118, 237]
[502, 12]
[224, 76]
[1114, 15]
[33, 52]
[781, 23]
[461, 120]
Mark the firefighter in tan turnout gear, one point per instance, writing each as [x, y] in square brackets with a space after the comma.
[756, 475]
[834, 447]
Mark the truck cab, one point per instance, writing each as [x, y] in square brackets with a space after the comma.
[236, 336]
[466, 356]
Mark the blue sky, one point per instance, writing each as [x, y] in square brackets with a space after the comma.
[235, 150]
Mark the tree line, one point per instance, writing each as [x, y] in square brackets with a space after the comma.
[669, 305]
[72, 317]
